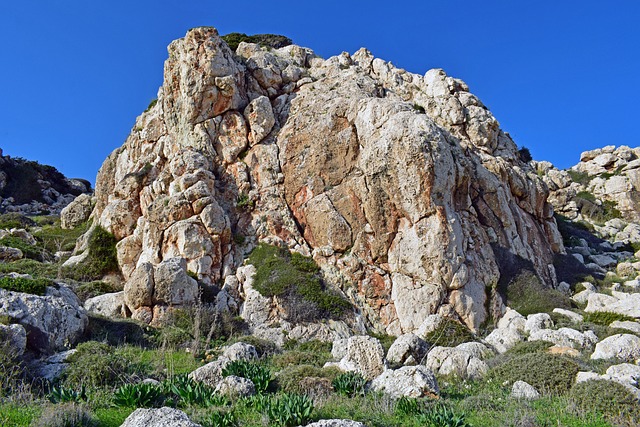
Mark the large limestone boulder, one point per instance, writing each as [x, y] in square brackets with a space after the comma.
[401, 206]
[211, 373]
[362, 354]
[625, 304]
[53, 321]
[108, 305]
[407, 349]
[503, 339]
[235, 387]
[408, 381]
[76, 212]
[625, 347]
[161, 417]
[566, 337]
[456, 361]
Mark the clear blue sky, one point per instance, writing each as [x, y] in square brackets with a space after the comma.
[561, 76]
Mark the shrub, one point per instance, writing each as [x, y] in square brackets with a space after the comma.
[528, 295]
[117, 331]
[54, 238]
[61, 394]
[35, 269]
[528, 347]
[441, 416]
[290, 410]
[258, 374]
[141, 395]
[29, 251]
[449, 333]
[545, 372]
[11, 369]
[221, 419]
[67, 415]
[605, 318]
[349, 384]
[94, 365]
[580, 177]
[296, 280]
[270, 40]
[27, 286]
[525, 154]
[84, 291]
[244, 202]
[151, 104]
[14, 220]
[101, 258]
[295, 357]
[609, 398]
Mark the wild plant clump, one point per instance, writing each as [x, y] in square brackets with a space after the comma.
[101, 259]
[296, 280]
[449, 333]
[66, 415]
[27, 286]
[609, 398]
[547, 373]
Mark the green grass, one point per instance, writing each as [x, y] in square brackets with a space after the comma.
[297, 281]
[449, 334]
[527, 294]
[112, 416]
[54, 238]
[29, 251]
[101, 259]
[34, 268]
[18, 415]
[28, 286]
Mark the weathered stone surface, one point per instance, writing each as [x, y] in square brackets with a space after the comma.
[53, 321]
[628, 325]
[336, 423]
[240, 351]
[537, 321]
[16, 336]
[512, 319]
[407, 349]
[573, 316]
[235, 387]
[211, 373]
[456, 361]
[8, 254]
[409, 381]
[409, 205]
[362, 354]
[523, 390]
[51, 368]
[161, 417]
[625, 347]
[565, 337]
[108, 305]
[625, 304]
[503, 339]
[76, 212]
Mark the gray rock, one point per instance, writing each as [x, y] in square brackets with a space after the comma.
[235, 387]
[211, 373]
[566, 337]
[161, 417]
[76, 212]
[51, 368]
[626, 324]
[538, 321]
[336, 423]
[503, 339]
[573, 316]
[16, 336]
[53, 321]
[512, 320]
[240, 351]
[457, 362]
[523, 390]
[409, 381]
[603, 260]
[621, 303]
[624, 347]
[407, 349]
[108, 305]
[8, 254]
[363, 354]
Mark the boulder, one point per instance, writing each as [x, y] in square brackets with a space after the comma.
[408, 381]
[626, 304]
[523, 390]
[362, 354]
[108, 305]
[626, 324]
[457, 362]
[572, 315]
[240, 351]
[512, 320]
[161, 417]
[9, 254]
[211, 373]
[51, 368]
[235, 387]
[53, 321]
[15, 336]
[566, 337]
[336, 423]
[625, 347]
[503, 339]
[76, 212]
[538, 321]
[407, 349]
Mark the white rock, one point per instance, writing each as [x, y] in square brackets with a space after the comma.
[430, 324]
[409, 381]
[240, 351]
[573, 316]
[512, 319]
[523, 390]
[620, 346]
[364, 355]
[161, 417]
[565, 337]
[538, 321]
[455, 361]
[108, 305]
[16, 336]
[211, 373]
[503, 339]
[626, 304]
[628, 325]
[235, 387]
[407, 349]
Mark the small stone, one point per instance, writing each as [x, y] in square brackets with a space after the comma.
[523, 390]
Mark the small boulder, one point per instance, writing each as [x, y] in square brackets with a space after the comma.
[16, 336]
[566, 337]
[503, 339]
[211, 373]
[624, 347]
[8, 254]
[523, 390]
[336, 423]
[626, 324]
[537, 321]
[363, 354]
[235, 387]
[457, 362]
[108, 305]
[76, 212]
[161, 417]
[512, 320]
[408, 381]
[407, 349]
[573, 316]
[240, 351]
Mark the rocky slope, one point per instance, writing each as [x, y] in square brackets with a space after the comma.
[30, 188]
[402, 187]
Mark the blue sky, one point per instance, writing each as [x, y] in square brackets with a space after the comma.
[561, 76]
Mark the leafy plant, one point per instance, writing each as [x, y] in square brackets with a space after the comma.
[611, 399]
[190, 392]
[349, 384]
[290, 410]
[62, 394]
[260, 375]
[244, 202]
[221, 419]
[409, 406]
[441, 416]
[94, 365]
[28, 286]
[141, 395]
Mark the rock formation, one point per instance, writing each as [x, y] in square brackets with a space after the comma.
[399, 185]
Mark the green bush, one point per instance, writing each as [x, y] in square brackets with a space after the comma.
[290, 410]
[547, 373]
[609, 398]
[605, 318]
[525, 154]
[528, 347]
[260, 375]
[101, 258]
[580, 177]
[84, 291]
[269, 40]
[14, 220]
[528, 295]
[95, 365]
[66, 415]
[61, 394]
[296, 280]
[349, 384]
[27, 286]
[295, 357]
[118, 331]
[29, 251]
[35, 269]
[449, 333]
[442, 416]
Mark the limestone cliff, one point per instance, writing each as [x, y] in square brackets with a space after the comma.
[400, 185]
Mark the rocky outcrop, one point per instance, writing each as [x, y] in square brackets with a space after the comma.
[400, 185]
[30, 188]
[408, 381]
[361, 354]
[161, 417]
[53, 321]
[76, 212]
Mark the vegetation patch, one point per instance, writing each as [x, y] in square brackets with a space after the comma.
[84, 291]
[579, 177]
[28, 286]
[449, 333]
[608, 398]
[296, 280]
[66, 415]
[605, 318]
[270, 40]
[547, 373]
[101, 258]
[14, 220]
[36, 269]
[528, 295]
[29, 251]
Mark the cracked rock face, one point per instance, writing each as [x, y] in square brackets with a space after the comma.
[399, 185]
